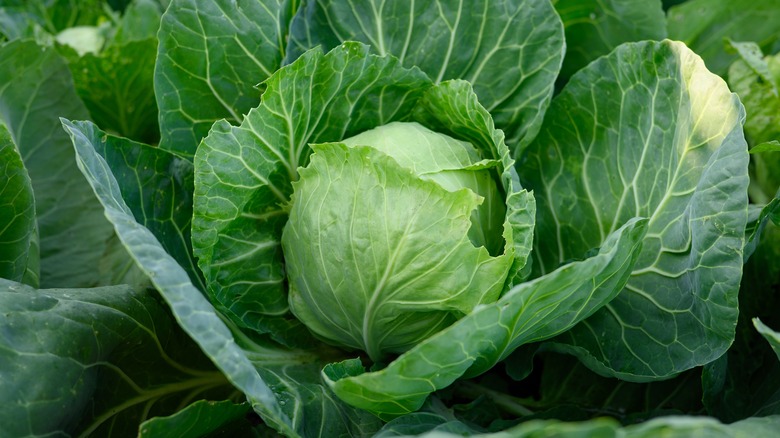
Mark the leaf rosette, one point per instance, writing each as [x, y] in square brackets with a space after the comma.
[430, 214]
[385, 209]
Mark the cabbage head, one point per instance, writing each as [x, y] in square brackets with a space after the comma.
[394, 234]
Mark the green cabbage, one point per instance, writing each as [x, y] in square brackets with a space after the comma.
[393, 235]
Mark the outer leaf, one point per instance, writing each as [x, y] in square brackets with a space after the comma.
[750, 53]
[573, 387]
[92, 361]
[647, 131]
[758, 219]
[116, 82]
[769, 146]
[762, 126]
[418, 423]
[530, 312]
[424, 423]
[670, 427]
[211, 56]
[684, 427]
[116, 86]
[18, 16]
[156, 184]
[704, 25]
[600, 427]
[193, 313]
[139, 22]
[17, 214]
[243, 174]
[239, 357]
[36, 89]
[595, 27]
[746, 380]
[199, 419]
[314, 409]
[510, 50]
[770, 335]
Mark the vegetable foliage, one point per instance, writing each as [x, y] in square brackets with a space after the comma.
[365, 218]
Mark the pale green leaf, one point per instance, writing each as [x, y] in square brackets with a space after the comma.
[667, 427]
[352, 242]
[452, 108]
[702, 427]
[531, 311]
[770, 335]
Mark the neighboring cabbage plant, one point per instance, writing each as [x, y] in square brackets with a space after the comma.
[394, 234]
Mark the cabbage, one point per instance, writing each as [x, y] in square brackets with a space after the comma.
[390, 237]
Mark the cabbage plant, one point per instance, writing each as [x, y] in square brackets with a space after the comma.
[376, 218]
[394, 234]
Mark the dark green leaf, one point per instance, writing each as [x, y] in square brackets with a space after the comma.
[762, 127]
[647, 131]
[287, 375]
[199, 419]
[116, 87]
[116, 83]
[139, 22]
[704, 25]
[36, 88]
[195, 315]
[572, 384]
[758, 219]
[770, 335]
[595, 27]
[92, 361]
[156, 185]
[53, 16]
[745, 381]
[18, 235]
[212, 54]
[509, 50]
